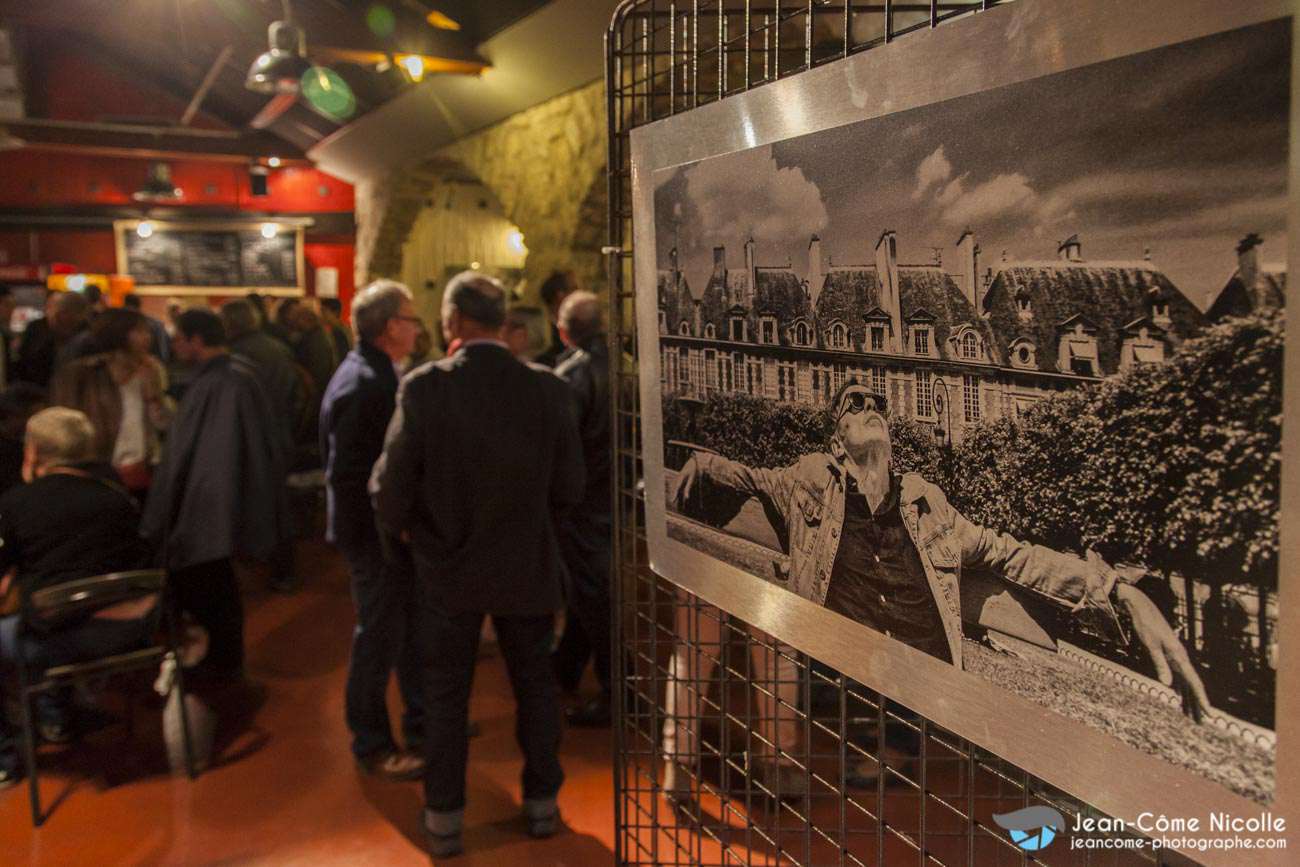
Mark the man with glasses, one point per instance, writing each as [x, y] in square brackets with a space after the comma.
[355, 411]
[888, 551]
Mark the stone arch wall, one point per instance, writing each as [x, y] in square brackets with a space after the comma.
[546, 166]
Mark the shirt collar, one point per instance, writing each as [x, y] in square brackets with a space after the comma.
[892, 497]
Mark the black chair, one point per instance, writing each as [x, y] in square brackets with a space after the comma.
[82, 597]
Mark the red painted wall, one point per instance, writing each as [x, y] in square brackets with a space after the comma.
[40, 179]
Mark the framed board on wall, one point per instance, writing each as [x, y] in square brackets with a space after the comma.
[915, 331]
[195, 258]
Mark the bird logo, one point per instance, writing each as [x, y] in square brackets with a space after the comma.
[1033, 827]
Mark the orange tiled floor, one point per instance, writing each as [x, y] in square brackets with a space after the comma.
[284, 789]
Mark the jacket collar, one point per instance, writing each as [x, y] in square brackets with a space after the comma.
[911, 487]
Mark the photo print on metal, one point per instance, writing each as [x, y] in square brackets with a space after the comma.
[971, 386]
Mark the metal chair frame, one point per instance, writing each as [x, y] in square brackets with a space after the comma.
[88, 595]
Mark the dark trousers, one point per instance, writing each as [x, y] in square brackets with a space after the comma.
[93, 638]
[525, 644]
[383, 595]
[585, 547]
[210, 593]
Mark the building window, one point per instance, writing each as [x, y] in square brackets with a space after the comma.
[969, 345]
[839, 336]
[785, 381]
[840, 373]
[921, 340]
[924, 395]
[684, 370]
[754, 377]
[663, 322]
[769, 330]
[710, 371]
[725, 382]
[970, 392]
[1024, 309]
[684, 329]
[877, 338]
[800, 334]
[1022, 354]
[1082, 357]
[878, 380]
[821, 382]
[710, 331]
[738, 328]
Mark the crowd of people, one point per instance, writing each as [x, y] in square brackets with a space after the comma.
[468, 487]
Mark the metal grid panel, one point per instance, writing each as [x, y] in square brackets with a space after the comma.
[749, 703]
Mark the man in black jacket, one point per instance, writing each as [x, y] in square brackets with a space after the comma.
[585, 534]
[64, 524]
[218, 490]
[482, 452]
[354, 414]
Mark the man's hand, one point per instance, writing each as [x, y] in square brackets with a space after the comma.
[1173, 666]
[685, 496]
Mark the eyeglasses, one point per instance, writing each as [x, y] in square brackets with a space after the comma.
[857, 401]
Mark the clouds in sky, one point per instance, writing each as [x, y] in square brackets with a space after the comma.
[965, 201]
[749, 195]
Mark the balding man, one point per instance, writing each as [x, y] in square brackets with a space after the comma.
[354, 414]
[585, 534]
[482, 452]
[66, 523]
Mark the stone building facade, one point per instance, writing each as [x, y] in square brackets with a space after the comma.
[946, 347]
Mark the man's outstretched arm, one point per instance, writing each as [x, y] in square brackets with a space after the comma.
[712, 489]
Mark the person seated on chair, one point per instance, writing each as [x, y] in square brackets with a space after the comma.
[65, 523]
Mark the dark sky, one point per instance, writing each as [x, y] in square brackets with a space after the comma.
[1182, 149]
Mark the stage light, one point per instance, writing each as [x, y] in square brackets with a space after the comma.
[270, 230]
[274, 162]
[144, 228]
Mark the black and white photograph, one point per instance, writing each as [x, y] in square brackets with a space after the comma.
[999, 377]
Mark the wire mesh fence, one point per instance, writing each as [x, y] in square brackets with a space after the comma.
[732, 747]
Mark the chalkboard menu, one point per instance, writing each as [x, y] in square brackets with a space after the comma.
[181, 257]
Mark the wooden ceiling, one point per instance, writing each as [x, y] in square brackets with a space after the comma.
[198, 52]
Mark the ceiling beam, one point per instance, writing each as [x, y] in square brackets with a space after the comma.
[148, 141]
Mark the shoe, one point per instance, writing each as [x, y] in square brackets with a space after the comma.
[542, 816]
[442, 832]
[782, 779]
[593, 714]
[54, 732]
[393, 765]
[10, 777]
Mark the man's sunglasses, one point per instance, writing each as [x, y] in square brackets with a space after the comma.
[857, 401]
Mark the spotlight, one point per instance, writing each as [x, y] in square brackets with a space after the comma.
[279, 69]
[269, 230]
[144, 228]
[274, 162]
[413, 64]
[158, 185]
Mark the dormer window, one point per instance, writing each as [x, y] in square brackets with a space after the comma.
[1078, 347]
[921, 340]
[799, 334]
[738, 328]
[1159, 306]
[970, 348]
[710, 331]
[1142, 344]
[1024, 355]
[684, 329]
[838, 336]
[877, 338]
[767, 326]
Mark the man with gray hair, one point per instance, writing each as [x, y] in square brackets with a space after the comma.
[64, 524]
[585, 535]
[355, 410]
[481, 455]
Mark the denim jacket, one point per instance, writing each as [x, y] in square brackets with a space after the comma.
[805, 502]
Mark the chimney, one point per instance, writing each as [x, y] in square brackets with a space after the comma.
[749, 270]
[887, 274]
[968, 275]
[695, 324]
[1248, 262]
[1070, 250]
[814, 267]
[720, 262]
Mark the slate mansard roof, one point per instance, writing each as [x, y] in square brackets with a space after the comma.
[1109, 296]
